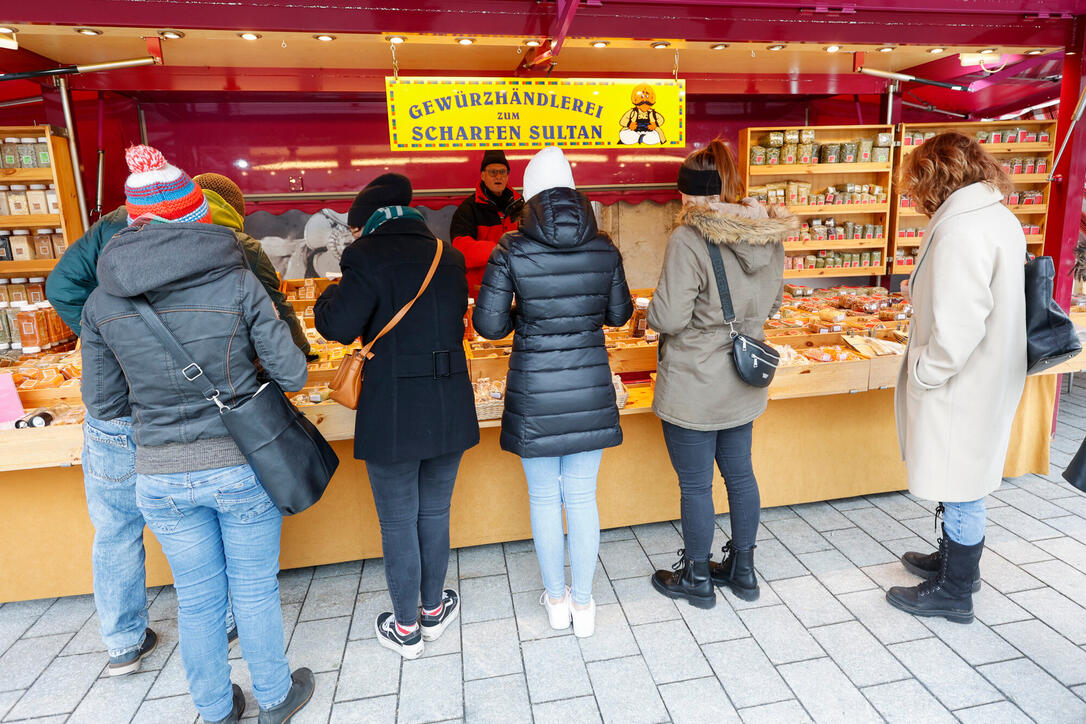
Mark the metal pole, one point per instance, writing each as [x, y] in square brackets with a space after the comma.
[933, 109]
[890, 90]
[21, 102]
[143, 124]
[73, 148]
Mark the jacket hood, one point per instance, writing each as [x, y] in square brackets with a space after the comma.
[560, 217]
[163, 257]
[751, 240]
[222, 213]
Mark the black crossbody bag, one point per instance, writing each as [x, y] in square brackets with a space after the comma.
[1050, 334]
[290, 457]
[756, 362]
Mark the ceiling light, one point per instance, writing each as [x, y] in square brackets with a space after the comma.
[886, 49]
[936, 51]
[1034, 52]
[7, 31]
[660, 44]
[88, 31]
[465, 41]
[533, 43]
[171, 34]
[600, 44]
[987, 51]
[832, 48]
[325, 38]
[249, 36]
[396, 39]
[775, 47]
[718, 46]
[241, 163]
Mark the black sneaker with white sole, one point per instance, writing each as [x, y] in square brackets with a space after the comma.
[409, 647]
[434, 626]
[130, 662]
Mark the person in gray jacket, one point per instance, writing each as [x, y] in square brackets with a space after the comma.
[706, 409]
[217, 525]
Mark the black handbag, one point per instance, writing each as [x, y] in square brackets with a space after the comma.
[755, 361]
[290, 457]
[1075, 473]
[1050, 333]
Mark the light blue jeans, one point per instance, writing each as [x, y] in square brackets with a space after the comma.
[220, 531]
[117, 557]
[964, 522]
[569, 481]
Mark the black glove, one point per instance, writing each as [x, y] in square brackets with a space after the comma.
[514, 209]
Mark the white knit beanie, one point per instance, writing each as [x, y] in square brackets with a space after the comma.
[548, 169]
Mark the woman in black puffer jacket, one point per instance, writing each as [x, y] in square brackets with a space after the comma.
[556, 282]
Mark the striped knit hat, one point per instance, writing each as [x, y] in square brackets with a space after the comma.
[155, 187]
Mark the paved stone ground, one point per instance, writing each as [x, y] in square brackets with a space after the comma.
[821, 644]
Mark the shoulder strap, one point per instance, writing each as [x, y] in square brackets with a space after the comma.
[721, 282]
[189, 369]
[407, 307]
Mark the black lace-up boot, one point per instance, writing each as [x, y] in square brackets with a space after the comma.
[687, 579]
[736, 572]
[950, 593]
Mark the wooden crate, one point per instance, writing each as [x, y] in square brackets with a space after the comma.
[829, 378]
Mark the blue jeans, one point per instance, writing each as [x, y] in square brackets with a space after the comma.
[220, 532]
[117, 558]
[964, 522]
[692, 453]
[553, 483]
[412, 501]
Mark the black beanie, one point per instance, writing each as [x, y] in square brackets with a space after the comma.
[490, 157]
[390, 189]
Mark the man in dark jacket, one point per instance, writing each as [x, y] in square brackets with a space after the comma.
[416, 413]
[483, 217]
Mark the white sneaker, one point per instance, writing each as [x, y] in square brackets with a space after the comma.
[584, 619]
[558, 613]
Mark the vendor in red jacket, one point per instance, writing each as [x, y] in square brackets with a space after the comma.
[483, 217]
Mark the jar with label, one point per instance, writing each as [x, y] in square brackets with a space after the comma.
[35, 290]
[42, 244]
[17, 203]
[35, 200]
[9, 153]
[60, 244]
[469, 329]
[5, 248]
[42, 144]
[29, 333]
[17, 291]
[21, 249]
[56, 332]
[5, 330]
[5, 296]
[12, 313]
[52, 201]
[5, 210]
[639, 322]
[28, 153]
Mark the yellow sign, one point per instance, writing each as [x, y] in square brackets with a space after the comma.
[480, 113]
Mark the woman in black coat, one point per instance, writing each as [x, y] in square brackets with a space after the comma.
[416, 413]
[556, 282]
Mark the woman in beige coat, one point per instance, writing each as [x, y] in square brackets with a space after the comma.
[965, 366]
[706, 409]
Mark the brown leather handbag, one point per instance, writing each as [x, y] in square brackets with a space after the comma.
[346, 386]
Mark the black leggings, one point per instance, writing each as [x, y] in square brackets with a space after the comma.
[692, 453]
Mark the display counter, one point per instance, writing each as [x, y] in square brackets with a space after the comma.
[828, 433]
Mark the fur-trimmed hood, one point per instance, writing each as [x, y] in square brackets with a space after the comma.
[750, 239]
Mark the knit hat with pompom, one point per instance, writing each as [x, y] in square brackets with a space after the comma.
[155, 187]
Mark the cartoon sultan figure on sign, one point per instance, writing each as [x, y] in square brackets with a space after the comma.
[641, 124]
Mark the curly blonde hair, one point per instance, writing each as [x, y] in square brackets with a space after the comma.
[946, 163]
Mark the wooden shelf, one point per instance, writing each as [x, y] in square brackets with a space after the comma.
[839, 209]
[818, 168]
[909, 242]
[1001, 148]
[30, 221]
[903, 268]
[864, 271]
[1029, 209]
[834, 244]
[25, 175]
[34, 266]
[1029, 178]
[1035, 238]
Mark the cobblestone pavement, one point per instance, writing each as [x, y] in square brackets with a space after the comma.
[820, 644]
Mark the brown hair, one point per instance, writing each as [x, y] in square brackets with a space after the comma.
[946, 163]
[718, 156]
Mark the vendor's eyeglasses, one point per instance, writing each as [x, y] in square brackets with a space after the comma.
[501, 173]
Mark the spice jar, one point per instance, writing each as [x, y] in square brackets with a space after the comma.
[21, 250]
[44, 161]
[5, 330]
[42, 244]
[28, 153]
[639, 322]
[11, 314]
[17, 202]
[35, 290]
[5, 248]
[5, 210]
[60, 244]
[52, 201]
[17, 290]
[469, 328]
[29, 333]
[35, 200]
[9, 153]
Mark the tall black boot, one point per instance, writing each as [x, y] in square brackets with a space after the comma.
[950, 593]
[927, 566]
[687, 579]
[736, 572]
